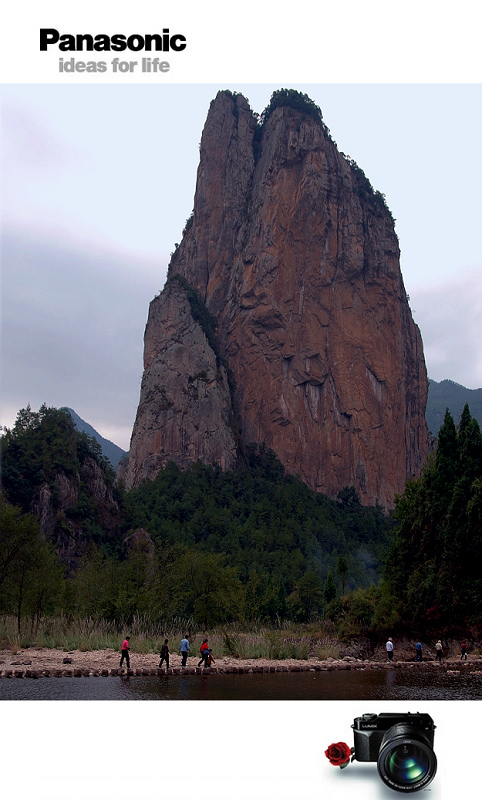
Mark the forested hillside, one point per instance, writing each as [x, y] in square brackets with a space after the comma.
[281, 540]
[60, 475]
[451, 395]
[253, 543]
[236, 547]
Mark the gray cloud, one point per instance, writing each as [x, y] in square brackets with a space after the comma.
[450, 318]
[72, 331]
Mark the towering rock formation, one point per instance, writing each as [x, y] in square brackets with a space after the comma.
[296, 257]
[185, 410]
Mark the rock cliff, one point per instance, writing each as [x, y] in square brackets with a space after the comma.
[72, 505]
[296, 257]
[185, 410]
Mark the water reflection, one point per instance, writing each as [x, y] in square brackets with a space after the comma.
[355, 685]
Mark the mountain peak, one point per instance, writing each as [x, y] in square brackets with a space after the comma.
[297, 259]
[109, 449]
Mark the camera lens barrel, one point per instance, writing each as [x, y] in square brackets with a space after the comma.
[406, 760]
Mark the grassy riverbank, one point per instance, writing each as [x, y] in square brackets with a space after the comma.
[289, 641]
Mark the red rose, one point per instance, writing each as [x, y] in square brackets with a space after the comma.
[338, 754]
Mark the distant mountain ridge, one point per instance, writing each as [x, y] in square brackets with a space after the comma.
[109, 449]
[451, 395]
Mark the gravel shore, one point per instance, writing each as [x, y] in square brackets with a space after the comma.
[37, 662]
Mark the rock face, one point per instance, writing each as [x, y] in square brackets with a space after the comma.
[297, 258]
[184, 414]
[54, 506]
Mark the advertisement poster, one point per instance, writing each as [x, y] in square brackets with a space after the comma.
[103, 110]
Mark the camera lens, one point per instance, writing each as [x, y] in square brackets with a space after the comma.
[407, 764]
[406, 761]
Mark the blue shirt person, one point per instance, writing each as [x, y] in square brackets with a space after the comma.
[184, 649]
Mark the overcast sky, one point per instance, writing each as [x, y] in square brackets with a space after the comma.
[98, 181]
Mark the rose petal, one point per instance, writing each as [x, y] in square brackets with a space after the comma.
[338, 754]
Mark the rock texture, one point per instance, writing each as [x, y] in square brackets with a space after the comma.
[297, 258]
[55, 507]
[185, 412]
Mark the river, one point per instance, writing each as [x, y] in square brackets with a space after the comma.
[400, 684]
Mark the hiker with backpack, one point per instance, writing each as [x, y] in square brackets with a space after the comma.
[204, 653]
[165, 653]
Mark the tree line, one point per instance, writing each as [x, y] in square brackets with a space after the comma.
[434, 567]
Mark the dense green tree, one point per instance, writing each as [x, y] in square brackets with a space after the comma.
[39, 445]
[433, 568]
[294, 99]
[447, 466]
[17, 534]
[329, 589]
[348, 497]
[342, 569]
[31, 576]
[94, 589]
[307, 600]
[44, 585]
[209, 590]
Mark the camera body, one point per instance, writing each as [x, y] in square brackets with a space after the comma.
[402, 746]
[369, 730]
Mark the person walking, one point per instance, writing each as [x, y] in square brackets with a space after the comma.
[389, 646]
[184, 649]
[418, 652]
[204, 652]
[165, 653]
[125, 653]
[438, 651]
[463, 648]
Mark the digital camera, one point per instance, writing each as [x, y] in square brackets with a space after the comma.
[402, 746]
